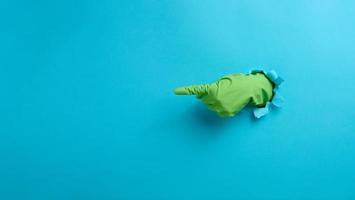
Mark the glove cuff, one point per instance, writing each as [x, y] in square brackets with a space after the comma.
[276, 100]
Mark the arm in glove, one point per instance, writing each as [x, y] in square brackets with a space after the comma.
[231, 93]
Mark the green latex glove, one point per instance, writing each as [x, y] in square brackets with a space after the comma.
[231, 93]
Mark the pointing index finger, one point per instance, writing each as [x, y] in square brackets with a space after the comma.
[193, 89]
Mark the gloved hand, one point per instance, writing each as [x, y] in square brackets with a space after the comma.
[231, 93]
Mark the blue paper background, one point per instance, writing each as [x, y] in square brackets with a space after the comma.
[87, 109]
